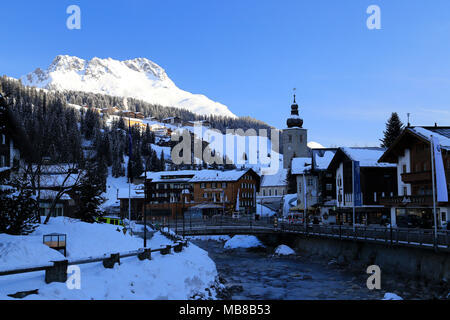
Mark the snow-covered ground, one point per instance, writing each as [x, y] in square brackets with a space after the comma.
[284, 250]
[242, 241]
[391, 296]
[174, 276]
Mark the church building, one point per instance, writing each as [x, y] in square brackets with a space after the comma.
[294, 139]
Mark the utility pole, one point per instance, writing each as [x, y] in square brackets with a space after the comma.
[434, 189]
[145, 206]
[129, 175]
[353, 194]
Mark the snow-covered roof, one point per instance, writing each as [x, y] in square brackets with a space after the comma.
[171, 176]
[275, 180]
[300, 165]
[217, 175]
[322, 158]
[137, 192]
[58, 180]
[195, 175]
[443, 135]
[367, 157]
[50, 195]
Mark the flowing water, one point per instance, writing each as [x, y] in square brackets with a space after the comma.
[258, 275]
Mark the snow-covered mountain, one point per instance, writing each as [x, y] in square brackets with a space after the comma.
[138, 78]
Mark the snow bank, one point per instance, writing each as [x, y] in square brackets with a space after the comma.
[177, 276]
[391, 296]
[18, 251]
[284, 250]
[241, 241]
[86, 239]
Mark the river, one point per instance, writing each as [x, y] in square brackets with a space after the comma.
[258, 275]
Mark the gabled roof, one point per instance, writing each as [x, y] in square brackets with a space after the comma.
[300, 165]
[367, 157]
[322, 158]
[409, 134]
[275, 180]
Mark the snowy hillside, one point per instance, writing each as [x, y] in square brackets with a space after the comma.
[174, 277]
[138, 78]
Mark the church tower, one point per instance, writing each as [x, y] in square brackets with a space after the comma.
[294, 138]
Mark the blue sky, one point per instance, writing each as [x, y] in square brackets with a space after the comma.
[250, 54]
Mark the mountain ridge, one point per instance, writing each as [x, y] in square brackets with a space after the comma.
[138, 78]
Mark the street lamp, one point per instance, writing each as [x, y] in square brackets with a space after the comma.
[184, 195]
[145, 205]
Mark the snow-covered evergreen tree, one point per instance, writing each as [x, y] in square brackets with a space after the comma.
[19, 211]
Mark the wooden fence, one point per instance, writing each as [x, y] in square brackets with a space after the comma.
[56, 271]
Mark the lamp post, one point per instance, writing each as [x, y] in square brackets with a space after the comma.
[184, 196]
[145, 204]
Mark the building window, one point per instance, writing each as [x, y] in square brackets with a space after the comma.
[405, 191]
[404, 169]
[3, 139]
[290, 138]
[329, 187]
[264, 193]
[202, 186]
[276, 192]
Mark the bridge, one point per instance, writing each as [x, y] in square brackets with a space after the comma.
[423, 238]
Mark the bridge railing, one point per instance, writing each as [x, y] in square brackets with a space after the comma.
[398, 236]
[394, 236]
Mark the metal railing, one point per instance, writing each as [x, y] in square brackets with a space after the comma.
[425, 238]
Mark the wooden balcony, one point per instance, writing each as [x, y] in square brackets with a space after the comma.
[416, 177]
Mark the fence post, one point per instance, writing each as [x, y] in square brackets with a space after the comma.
[178, 248]
[390, 227]
[57, 273]
[111, 261]
[166, 250]
[147, 254]
[446, 239]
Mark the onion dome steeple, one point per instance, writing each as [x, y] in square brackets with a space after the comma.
[294, 120]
